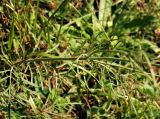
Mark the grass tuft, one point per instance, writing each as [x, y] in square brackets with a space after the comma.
[79, 59]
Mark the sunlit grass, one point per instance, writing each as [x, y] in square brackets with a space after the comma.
[78, 61]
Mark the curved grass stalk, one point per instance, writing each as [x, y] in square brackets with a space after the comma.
[69, 58]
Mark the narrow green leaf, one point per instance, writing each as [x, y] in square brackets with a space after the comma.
[33, 105]
[11, 34]
[16, 45]
[104, 11]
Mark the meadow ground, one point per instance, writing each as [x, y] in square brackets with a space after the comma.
[80, 59]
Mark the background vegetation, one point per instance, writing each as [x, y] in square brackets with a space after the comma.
[79, 59]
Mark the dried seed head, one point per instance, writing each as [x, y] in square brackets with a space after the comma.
[43, 45]
[53, 5]
[157, 32]
[141, 4]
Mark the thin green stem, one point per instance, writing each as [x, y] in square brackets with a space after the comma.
[70, 58]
